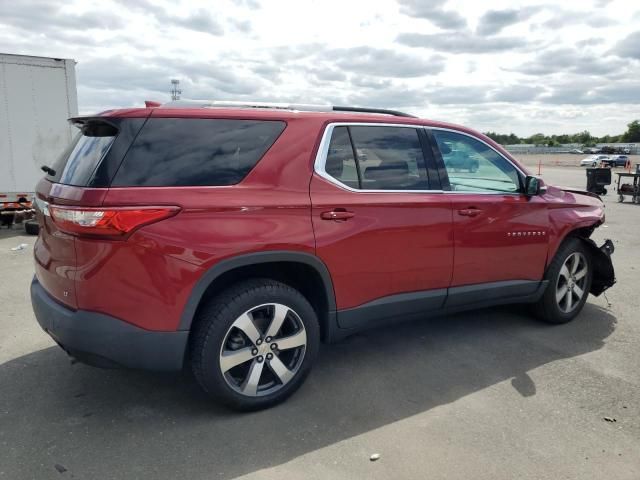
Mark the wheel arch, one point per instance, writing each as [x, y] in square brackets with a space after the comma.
[583, 232]
[603, 272]
[302, 271]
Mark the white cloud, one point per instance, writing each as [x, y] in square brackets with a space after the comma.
[521, 66]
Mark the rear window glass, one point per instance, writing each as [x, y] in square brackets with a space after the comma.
[386, 158]
[196, 152]
[390, 158]
[81, 158]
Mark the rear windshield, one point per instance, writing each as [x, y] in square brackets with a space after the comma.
[78, 162]
[195, 152]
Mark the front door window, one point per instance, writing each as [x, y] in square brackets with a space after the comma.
[473, 166]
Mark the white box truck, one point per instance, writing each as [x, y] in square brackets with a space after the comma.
[37, 96]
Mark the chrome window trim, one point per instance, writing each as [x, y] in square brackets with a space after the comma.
[323, 150]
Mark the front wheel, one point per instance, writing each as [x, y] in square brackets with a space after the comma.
[254, 344]
[569, 281]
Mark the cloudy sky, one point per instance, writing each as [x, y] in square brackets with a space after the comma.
[503, 65]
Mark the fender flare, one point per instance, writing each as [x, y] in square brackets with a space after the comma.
[226, 265]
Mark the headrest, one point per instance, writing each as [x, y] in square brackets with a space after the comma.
[386, 170]
[445, 149]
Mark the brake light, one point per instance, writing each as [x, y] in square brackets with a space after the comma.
[116, 222]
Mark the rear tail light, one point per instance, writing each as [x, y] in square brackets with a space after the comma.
[115, 222]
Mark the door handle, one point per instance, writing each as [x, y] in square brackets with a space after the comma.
[337, 215]
[469, 212]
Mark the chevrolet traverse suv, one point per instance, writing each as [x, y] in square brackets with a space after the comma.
[233, 239]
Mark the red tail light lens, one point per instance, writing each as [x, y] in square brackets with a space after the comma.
[116, 222]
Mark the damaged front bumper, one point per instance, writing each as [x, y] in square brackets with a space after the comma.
[603, 274]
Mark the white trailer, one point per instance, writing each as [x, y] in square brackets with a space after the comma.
[37, 96]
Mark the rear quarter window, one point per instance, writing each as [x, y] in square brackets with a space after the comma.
[196, 152]
[77, 164]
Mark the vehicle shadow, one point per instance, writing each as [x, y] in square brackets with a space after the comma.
[124, 424]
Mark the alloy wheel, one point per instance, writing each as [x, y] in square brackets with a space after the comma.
[263, 350]
[570, 286]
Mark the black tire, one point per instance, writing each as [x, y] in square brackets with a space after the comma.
[213, 325]
[548, 308]
[31, 227]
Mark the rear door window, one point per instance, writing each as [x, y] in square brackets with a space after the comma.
[377, 158]
[341, 162]
[390, 158]
[196, 152]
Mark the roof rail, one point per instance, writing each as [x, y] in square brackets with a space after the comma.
[233, 104]
[383, 111]
[304, 107]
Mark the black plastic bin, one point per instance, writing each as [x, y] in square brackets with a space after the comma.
[597, 179]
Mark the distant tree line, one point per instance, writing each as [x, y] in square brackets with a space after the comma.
[632, 135]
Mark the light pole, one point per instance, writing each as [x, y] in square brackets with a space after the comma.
[175, 91]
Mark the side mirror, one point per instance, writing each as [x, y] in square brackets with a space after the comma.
[532, 186]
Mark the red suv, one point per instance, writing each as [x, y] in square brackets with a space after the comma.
[235, 238]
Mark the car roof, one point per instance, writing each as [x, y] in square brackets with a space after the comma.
[323, 114]
[272, 111]
[271, 114]
[285, 114]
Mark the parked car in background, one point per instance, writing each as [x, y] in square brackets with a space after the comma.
[617, 150]
[616, 161]
[592, 150]
[593, 160]
[460, 159]
[234, 238]
[576, 151]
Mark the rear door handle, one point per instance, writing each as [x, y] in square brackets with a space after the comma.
[337, 215]
[469, 212]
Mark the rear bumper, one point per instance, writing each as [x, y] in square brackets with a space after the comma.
[105, 341]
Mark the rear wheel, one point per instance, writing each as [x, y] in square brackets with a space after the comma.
[569, 281]
[254, 344]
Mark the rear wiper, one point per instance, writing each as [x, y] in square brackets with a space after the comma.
[48, 170]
